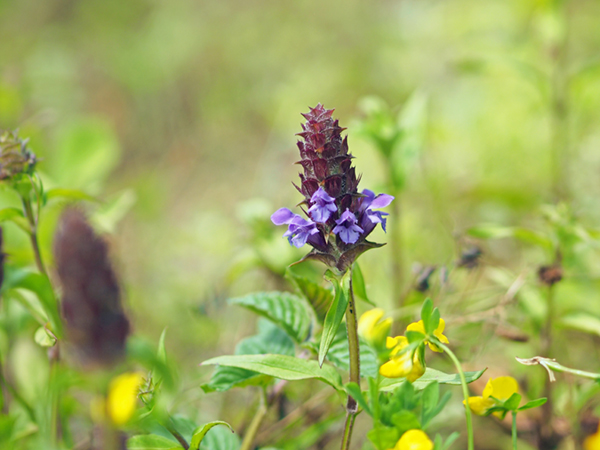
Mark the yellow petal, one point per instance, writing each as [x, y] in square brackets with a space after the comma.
[122, 397]
[368, 320]
[397, 367]
[391, 342]
[438, 332]
[416, 326]
[414, 440]
[592, 442]
[480, 405]
[503, 387]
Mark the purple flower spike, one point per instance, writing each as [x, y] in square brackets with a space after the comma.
[299, 229]
[370, 217]
[323, 206]
[347, 229]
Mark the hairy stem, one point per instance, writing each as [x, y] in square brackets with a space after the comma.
[514, 430]
[256, 421]
[465, 389]
[354, 350]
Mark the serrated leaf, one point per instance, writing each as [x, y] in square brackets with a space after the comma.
[270, 340]
[390, 384]
[282, 367]
[335, 315]
[317, 296]
[287, 310]
[43, 338]
[151, 442]
[533, 404]
[200, 432]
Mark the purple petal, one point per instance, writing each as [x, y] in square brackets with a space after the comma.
[381, 201]
[282, 216]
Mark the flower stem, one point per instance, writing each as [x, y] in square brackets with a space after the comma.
[514, 430]
[256, 421]
[28, 210]
[353, 348]
[465, 389]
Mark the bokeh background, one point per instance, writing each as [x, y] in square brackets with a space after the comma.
[180, 115]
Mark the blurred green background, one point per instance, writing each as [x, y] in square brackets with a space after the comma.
[181, 116]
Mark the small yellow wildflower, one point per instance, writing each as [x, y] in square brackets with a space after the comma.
[592, 442]
[496, 391]
[401, 364]
[372, 328]
[420, 327]
[120, 403]
[414, 440]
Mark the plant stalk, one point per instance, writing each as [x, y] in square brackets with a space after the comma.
[28, 210]
[465, 389]
[514, 430]
[255, 424]
[354, 350]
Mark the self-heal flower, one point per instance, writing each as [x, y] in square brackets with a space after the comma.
[420, 327]
[323, 206]
[414, 440]
[299, 229]
[369, 203]
[402, 363]
[347, 229]
[496, 392]
[372, 329]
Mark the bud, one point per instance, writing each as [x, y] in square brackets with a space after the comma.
[91, 299]
[339, 217]
[550, 275]
[15, 157]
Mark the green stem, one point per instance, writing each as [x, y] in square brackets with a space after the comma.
[514, 430]
[465, 389]
[354, 351]
[255, 424]
[28, 210]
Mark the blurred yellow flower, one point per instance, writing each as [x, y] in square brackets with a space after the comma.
[122, 397]
[414, 440]
[120, 403]
[401, 364]
[420, 327]
[592, 442]
[372, 328]
[496, 391]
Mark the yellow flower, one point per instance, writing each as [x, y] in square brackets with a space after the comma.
[592, 442]
[414, 440]
[496, 391]
[372, 328]
[401, 364]
[420, 327]
[122, 397]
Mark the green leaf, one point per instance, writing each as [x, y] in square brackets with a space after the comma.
[426, 311]
[16, 216]
[281, 366]
[110, 213]
[450, 440]
[358, 284]
[43, 338]
[434, 321]
[430, 397]
[317, 296]
[151, 442]
[513, 402]
[390, 384]
[69, 194]
[533, 404]
[581, 321]
[383, 437]
[282, 308]
[490, 231]
[220, 438]
[335, 315]
[354, 391]
[162, 351]
[270, 340]
[200, 432]
[405, 420]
